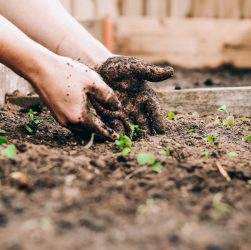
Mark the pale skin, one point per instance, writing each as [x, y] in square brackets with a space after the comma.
[62, 82]
[43, 43]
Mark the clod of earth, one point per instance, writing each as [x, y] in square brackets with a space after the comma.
[128, 76]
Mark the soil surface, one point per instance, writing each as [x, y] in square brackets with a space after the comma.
[225, 76]
[70, 197]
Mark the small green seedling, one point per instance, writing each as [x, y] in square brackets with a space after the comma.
[34, 121]
[124, 143]
[51, 118]
[222, 109]
[167, 152]
[229, 120]
[3, 140]
[213, 139]
[247, 138]
[195, 114]
[2, 132]
[10, 152]
[232, 154]
[191, 130]
[149, 159]
[134, 130]
[90, 143]
[171, 116]
[205, 155]
[249, 182]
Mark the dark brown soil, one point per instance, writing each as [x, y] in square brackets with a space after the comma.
[226, 76]
[77, 198]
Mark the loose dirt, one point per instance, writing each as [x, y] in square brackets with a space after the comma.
[70, 197]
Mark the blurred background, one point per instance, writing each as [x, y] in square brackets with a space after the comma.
[211, 37]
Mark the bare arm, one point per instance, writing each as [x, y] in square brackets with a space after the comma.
[48, 23]
[62, 83]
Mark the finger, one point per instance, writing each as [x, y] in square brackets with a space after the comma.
[104, 94]
[154, 112]
[117, 126]
[142, 121]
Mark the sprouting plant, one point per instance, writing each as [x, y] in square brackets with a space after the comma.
[195, 114]
[51, 118]
[3, 140]
[2, 132]
[249, 182]
[213, 138]
[167, 152]
[247, 138]
[229, 119]
[9, 152]
[171, 116]
[192, 130]
[124, 143]
[232, 154]
[34, 121]
[134, 130]
[90, 143]
[149, 159]
[205, 155]
[220, 206]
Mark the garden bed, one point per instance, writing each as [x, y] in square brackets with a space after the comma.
[57, 194]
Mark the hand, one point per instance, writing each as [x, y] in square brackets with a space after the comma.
[65, 85]
[140, 105]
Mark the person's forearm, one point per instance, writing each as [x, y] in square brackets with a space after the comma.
[19, 52]
[48, 23]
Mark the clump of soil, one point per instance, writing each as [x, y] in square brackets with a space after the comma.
[77, 198]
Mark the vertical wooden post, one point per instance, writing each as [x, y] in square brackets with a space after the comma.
[180, 8]
[157, 8]
[132, 8]
[228, 8]
[246, 9]
[204, 8]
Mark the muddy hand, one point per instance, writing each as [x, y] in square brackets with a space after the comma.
[128, 76]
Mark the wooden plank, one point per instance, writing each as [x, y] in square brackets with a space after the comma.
[132, 8]
[83, 9]
[228, 8]
[204, 8]
[181, 8]
[106, 8]
[189, 45]
[246, 11]
[236, 99]
[157, 8]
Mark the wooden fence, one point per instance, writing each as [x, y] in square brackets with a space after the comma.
[89, 9]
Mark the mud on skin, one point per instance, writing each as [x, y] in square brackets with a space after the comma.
[128, 76]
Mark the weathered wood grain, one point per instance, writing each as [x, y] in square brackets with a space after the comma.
[157, 8]
[191, 43]
[181, 8]
[204, 8]
[237, 100]
[228, 8]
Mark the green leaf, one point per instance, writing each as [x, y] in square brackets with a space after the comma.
[157, 167]
[123, 142]
[247, 138]
[135, 129]
[206, 155]
[167, 152]
[146, 158]
[126, 151]
[3, 140]
[249, 182]
[2, 132]
[232, 154]
[229, 121]
[28, 128]
[10, 152]
[195, 114]
[222, 109]
[171, 116]
[191, 130]
[213, 139]
[51, 118]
